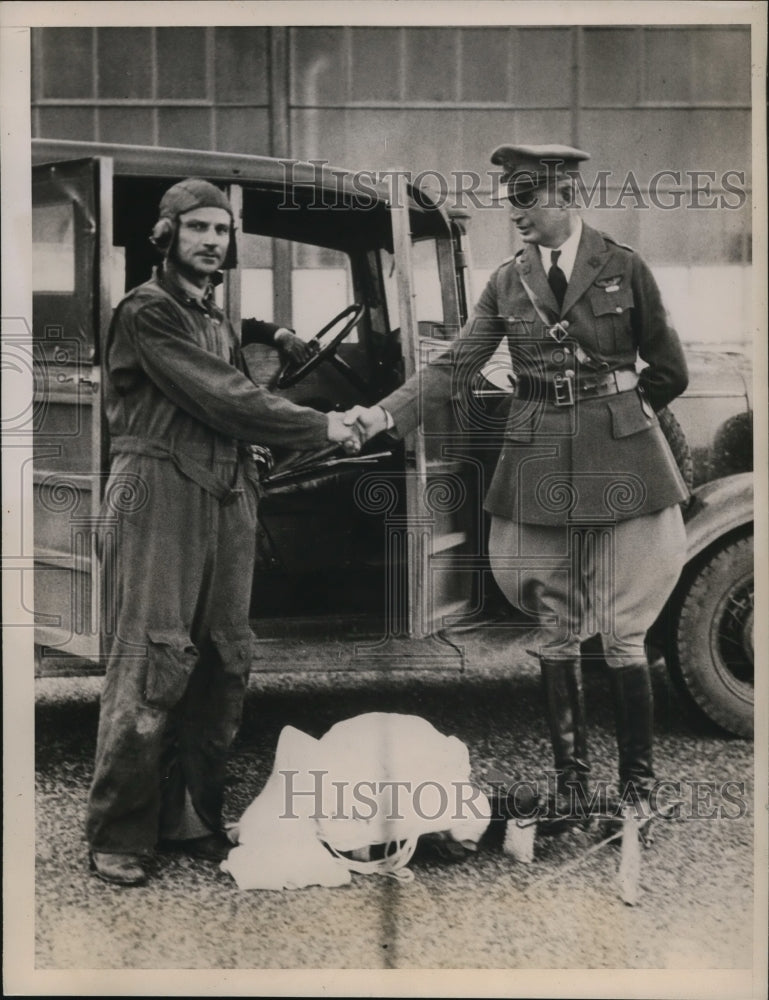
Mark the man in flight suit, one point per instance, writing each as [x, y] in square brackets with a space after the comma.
[586, 531]
[183, 493]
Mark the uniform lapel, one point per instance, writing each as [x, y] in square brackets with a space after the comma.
[592, 257]
[529, 264]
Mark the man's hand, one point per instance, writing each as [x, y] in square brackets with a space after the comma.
[368, 421]
[291, 345]
[349, 437]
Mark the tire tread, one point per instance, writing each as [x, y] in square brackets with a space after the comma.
[734, 717]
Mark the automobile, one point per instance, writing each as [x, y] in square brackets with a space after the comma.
[367, 561]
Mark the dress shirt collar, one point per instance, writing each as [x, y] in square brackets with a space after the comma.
[568, 251]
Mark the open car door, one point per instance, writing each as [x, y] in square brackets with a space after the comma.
[379, 542]
[441, 524]
[72, 235]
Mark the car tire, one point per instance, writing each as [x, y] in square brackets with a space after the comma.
[712, 654]
[678, 444]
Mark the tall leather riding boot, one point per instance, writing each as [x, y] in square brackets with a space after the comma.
[565, 714]
[634, 716]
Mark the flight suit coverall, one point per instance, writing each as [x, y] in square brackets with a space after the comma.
[178, 545]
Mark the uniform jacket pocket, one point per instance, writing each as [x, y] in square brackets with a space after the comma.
[235, 649]
[170, 663]
[523, 325]
[611, 310]
[628, 415]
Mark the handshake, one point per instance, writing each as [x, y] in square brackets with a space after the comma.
[357, 426]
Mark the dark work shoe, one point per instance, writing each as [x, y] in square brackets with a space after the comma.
[118, 869]
[213, 847]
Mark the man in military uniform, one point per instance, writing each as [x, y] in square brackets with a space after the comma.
[181, 413]
[586, 529]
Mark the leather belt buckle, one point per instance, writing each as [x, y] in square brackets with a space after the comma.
[563, 389]
[625, 380]
[592, 387]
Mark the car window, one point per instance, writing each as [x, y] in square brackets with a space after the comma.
[53, 247]
[321, 287]
[321, 284]
[255, 259]
[427, 287]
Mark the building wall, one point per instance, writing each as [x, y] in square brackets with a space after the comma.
[640, 99]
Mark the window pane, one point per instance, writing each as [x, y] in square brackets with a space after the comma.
[254, 251]
[241, 64]
[431, 64]
[67, 123]
[318, 66]
[541, 66]
[721, 65]
[610, 60]
[667, 66]
[186, 128]
[181, 62]
[126, 125]
[321, 287]
[483, 48]
[376, 64]
[317, 295]
[256, 293]
[53, 248]
[243, 130]
[67, 61]
[125, 62]
[427, 286]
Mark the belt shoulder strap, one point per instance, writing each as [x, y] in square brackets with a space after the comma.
[552, 326]
[537, 303]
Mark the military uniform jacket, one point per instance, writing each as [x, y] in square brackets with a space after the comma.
[604, 458]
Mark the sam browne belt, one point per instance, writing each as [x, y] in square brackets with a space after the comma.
[565, 388]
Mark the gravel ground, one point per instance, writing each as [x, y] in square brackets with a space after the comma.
[486, 912]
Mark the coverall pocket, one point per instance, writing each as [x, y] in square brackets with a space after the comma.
[235, 649]
[628, 415]
[612, 317]
[170, 663]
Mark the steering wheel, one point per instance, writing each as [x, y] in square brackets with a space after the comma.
[293, 372]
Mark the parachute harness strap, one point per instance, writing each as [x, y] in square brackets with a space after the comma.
[397, 854]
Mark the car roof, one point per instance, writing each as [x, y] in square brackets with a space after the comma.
[171, 162]
[351, 194]
[157, 161]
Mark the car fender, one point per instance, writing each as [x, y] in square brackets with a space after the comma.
[717, 509]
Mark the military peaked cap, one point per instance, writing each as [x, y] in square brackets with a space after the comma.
[525, 168]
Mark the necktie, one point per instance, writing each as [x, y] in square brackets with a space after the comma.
[556, 278]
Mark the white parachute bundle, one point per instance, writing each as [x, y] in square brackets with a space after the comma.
[358, 799]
